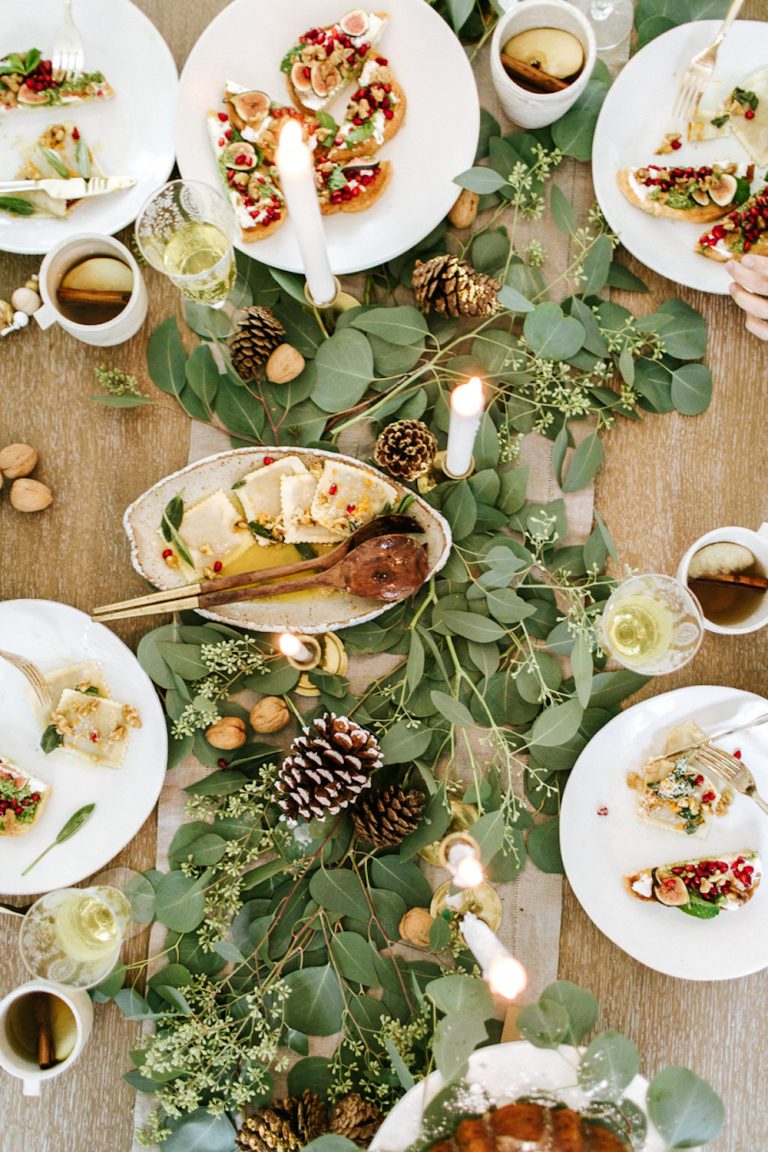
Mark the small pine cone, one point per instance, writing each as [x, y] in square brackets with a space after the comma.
[257, 335]
[387, 818]
[451, 286]
[328, 765]
[268, 1130]
[406, 449]
[356, 1119]
[311, 1116]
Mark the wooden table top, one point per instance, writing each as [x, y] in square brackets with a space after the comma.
[663, 485]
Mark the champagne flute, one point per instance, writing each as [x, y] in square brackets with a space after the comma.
[185, 230]
[652, 624]
[611, 20]
[73, 936]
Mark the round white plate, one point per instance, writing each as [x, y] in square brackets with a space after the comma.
[633, 120]
[130, 135]
[599, 851]
[246, 43]
[53, 636]
[503, 1072]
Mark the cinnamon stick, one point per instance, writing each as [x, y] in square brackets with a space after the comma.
[45, 1053]
[92, 296]
[739, 578]
[536, 77]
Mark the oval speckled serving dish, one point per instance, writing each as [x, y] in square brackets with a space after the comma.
[325, 610]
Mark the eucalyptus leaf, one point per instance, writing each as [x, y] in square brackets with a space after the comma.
[340, 892]
[691, 391]
[684, 1108]
[586, 461]
[344, 364]
[200, 1131]
[581, 664]
[403, 878]
[561, 209]
[544, 1024]
[355, 958]
[456, 1037]
[461, 993]
[401, 325]
[608, 1066]
[543, 844]
[402, 743]
[482, 180]
[453, 710]
[557, 723]
[315, 1003]
[179, 902]
[166, 360]
[551, 334]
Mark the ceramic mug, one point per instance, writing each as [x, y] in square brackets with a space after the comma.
[58, 262]
[536, 109]
[757, 542]
[16, 1060]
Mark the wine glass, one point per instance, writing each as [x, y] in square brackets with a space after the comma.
[73, 936]
[611, 20]
[185, 230]
[652, 624]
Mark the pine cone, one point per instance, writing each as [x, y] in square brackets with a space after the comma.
[406, 449]
[326, 768]
[257, 335]
[356, 1119]
[311, 1116]
[268, 1130]
[451, 286]
[387, 818]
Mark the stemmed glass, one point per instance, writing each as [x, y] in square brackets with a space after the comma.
[185, 230]
[652, 624]
[73, 936]
[611, 20]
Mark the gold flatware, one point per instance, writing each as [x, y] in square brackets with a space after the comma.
[705, 740]
[388, 525]
[732, 771]
[40, 685]
[699, 72]
[388, 568]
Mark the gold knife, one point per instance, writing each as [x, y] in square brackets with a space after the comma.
[75, 188]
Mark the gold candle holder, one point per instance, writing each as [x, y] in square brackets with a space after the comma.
[438, 472]
[327, 653]
[341, 302]
[484, 901]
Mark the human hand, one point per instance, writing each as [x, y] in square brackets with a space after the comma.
[750, 291]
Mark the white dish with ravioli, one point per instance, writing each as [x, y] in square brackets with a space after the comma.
[634, 118]
[602, 840]
[54, 637]
[262, 482]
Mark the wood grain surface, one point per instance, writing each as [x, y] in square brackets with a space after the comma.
[665, 482]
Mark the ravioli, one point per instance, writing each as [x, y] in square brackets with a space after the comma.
[297, 493]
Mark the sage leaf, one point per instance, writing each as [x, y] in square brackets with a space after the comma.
[17, 206]
[55, 162]
[608, 1066]
[51, 739]
[83, 159]
[173, 514]
[315, 1004]
[73, 825]
[684, 1108]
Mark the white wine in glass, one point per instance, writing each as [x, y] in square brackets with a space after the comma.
[652, 624]
[73, 936]
[185, 230]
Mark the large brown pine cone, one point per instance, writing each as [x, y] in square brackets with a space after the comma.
[268, 1130]
[257, 335]
[328, 765]
[356, 1119]
[386, 818]
[451, 286]
[406, 449]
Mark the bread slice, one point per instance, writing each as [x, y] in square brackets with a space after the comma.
[353, 187]
[672, 192]
[59, 153]
[324, 60]
[743, 230]
[22, 799]
[703, 886]
[250, 183]
[374, 114]
[29, 81]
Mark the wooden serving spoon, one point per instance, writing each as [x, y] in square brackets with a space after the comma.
[388, 568]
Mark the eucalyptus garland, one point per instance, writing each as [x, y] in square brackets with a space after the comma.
[279, 935]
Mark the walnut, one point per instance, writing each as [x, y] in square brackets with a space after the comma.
[415, 926]
[131, 716]
[269, 715]
[30, 496]
[17, 460]
[227, 733]
[464, 210]
[117, 734]
[284, 364]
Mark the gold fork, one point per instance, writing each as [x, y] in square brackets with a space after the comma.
[699, 71]
[733, 771]
[40, 685]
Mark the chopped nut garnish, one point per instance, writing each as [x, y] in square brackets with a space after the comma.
[131, 716]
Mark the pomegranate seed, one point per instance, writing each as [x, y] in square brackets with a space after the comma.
[222, 141]
[699, 780]
[217, 566]
[749, 114]
[708, 797]
[388, 113]
[228, 133]
[382, 61]
[75, 134]
[602, 811]
[269, 459]
[737, 754]
[223, 117]
[36, 797]
[93, 737]
[167, 552]
[333, 489]
[676, 144]
[357, 121]
[221, 763]
[351, 508]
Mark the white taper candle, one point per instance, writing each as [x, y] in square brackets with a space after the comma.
[467, 404]
[297, 180]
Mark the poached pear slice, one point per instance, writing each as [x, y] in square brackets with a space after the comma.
[553, 50]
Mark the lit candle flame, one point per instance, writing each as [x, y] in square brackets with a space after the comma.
[292, 647]
[507, 977]
[468, 399]
[464, 864]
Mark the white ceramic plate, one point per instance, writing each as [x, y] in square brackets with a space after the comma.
[130, 135]
[324, 611]
[246, 43]
[632, 123]
[503, 1072]
[53, 636]
[599, 851]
